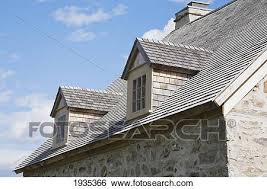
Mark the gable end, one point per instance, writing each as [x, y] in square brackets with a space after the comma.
[137, 48]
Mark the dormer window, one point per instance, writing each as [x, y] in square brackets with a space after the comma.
[139, 94]
[155, 70]
[60, 131]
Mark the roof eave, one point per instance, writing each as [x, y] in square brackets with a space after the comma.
[89, 110]
[126, 67]
[103, 142]
[229, 90]
[175, 69]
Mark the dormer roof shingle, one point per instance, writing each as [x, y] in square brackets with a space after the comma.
[175, 55]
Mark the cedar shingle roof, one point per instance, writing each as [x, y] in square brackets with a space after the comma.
[118, 112]
[175, 55]
[170, 55]
[117, 86]
[90, 99]
[237, 35]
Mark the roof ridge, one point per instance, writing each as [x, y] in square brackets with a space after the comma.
[90, 90]
[175, 45]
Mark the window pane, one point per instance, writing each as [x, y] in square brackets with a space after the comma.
[138, 105]
[139, 82]
[143, 103]
[143, 91]
[62, 132]
[60, 129]
[57, 131]
[138, 93]
[134, 106]
[59, 134]
[134, 85]
[134, 96]
[144, 80]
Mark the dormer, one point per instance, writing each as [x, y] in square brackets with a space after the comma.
[155, 70]
[75, 108]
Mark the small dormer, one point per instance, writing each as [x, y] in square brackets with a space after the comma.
[75, 108]
[155, 70]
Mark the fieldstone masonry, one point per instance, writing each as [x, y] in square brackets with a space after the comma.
[247, 138]
[160, 157]
[243, 153]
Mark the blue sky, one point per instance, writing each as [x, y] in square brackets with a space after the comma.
[48, 43]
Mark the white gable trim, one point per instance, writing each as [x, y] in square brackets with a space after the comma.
[137, 48]
[241, 79]
[57, 101]
[245, 89]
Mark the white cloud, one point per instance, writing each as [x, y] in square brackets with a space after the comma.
[5, 74]
[42, 1]
[36, 108]
[10, 157]
[179, 1]
[187, 1]
[14, 130]
[159, 34]
[77, 17]
[81, 35]
[14, 126]
[5, 96]
[9, 56]
[120, 9]
[2, 35]
[13, 57]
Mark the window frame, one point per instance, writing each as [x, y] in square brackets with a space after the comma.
[60, 131]
[139, 93]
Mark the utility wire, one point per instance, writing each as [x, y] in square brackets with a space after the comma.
[61, 44]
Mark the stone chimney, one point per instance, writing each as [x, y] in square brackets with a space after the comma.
[191, 12]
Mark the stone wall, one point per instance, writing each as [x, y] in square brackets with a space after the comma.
[160, 157]
[164, 85]
[247, 134]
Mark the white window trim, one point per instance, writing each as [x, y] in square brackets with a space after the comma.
[56, 141]
[139, 104]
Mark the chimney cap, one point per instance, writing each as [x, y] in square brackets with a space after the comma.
[199, 4]
[193, 11]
